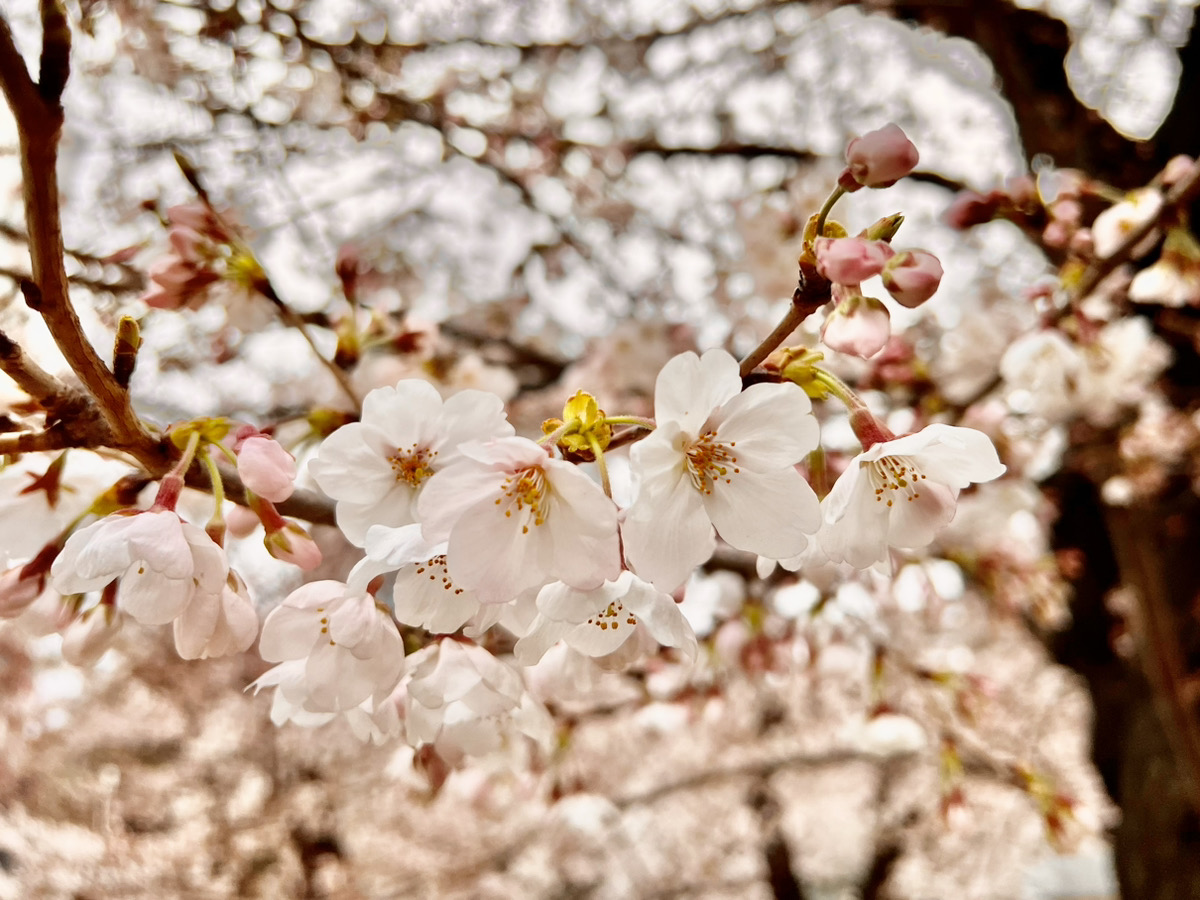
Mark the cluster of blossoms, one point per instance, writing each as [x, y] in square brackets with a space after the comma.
[466, 526]
[153, 566]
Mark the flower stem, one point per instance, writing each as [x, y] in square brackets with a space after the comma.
[218, 485]
[833, 198]
[172, 483]
[640, 421]
[839, 389]
[594, 443]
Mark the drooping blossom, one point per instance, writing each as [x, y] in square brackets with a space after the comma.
[350, 647]
[879, 158]
[900, 492]
[217, 624]
[912, 277]
[600, 622]
[464, 701]
[376, 468]
[516, 518]
[857, 325]
[160, 561]
[720, 457]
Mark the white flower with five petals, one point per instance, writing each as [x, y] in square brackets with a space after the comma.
[515, 518]
[376, 468]
[900, 493]
[721, 457]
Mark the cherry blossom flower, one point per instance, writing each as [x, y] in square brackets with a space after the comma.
[912, 277]
[719, 457]
[217, 624]
[463, 700]
[265, 467]
[900, 492]
[1040, 370]
[1118, 366]
[1115, 224]
[515, 518]
[600, 622]
[160, 561]
[1174, 279]
[424, 595]
[879, 158]
[350, 646]
[376, 468]
[857, 325]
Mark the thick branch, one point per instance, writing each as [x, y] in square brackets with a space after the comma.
[33, 441]
[39, 117]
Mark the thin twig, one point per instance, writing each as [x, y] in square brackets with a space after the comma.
[29, 376]
[811, 294]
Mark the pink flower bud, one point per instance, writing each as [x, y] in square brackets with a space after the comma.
[880, 158]
[850, 260]
[912, 277]
[266, 468]
[858, 325]
[292, 544]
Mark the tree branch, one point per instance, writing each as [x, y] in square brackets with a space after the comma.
[33, 441]
[39, 116]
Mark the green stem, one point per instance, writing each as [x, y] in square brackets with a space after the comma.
[833, 198]
[839, 389]
[218, 485]
[600, 464]
[640, 421]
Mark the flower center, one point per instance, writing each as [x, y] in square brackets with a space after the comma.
[438, 572]
[709, 461]
[525, 490]
[894, 475]
[611, 617]
[413, 465]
